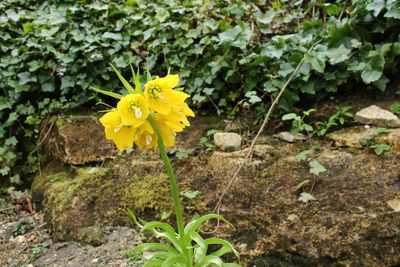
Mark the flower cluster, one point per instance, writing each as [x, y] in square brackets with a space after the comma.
[128, 124]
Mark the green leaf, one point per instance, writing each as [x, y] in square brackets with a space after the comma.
[302, 184]
[382, 82]
[5, 170]
[230, 35]
[374, 68]
[165, 215]
[394, 108]
[265, 18]
[306, 197]
[12, 141]
[195, 224]
[379, 149]
[28, 26]
[50, 32]
[4, 104]
[381, 130]
[376, 6]
[302, 155]
[191, 194]
[316, 61]
[332, 9]
[112, 36]
[108, 93]
[228, 247]
[154, 247]
[123, 80]
[338, 54]
[26, 77]
[289, 116]
[316, 167]
[67, 82]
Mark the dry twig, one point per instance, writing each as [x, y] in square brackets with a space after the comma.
[266, 119]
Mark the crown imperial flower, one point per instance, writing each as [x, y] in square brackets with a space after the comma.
[128, 124]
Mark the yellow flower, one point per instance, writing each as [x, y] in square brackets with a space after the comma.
[146, 137]
[122, 136]
[168, 135]
[134, 110]
[160, 95]
[177, 120]
[129, 123]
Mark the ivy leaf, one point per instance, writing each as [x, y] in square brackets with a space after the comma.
[338, 54]
[229, 35]
[374, 68]
[4, 171]
[50, 32]
[4, 104]
[306, 197]
[382, 82]
[112, 36]
[394, 12]
[316, 61]
[67, 82]
[26, 77]
[265, 18]
[12, 141]
[332, 9]
[316, 167]
[376, 6]
[253, 98]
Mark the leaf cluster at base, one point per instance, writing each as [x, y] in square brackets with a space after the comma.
[187, 250]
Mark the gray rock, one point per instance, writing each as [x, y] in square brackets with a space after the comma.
[377, 116]
[290, 137]
[228, 141]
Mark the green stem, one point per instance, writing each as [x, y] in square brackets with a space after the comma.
[170, 172]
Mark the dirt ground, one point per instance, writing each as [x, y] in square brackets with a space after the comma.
[25, 242]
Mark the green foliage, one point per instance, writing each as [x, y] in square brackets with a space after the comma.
[190, 194]
[179, 153]
[302, 155]
[379, 149]
[298, 124]
[302, 184]
[316, 167]
[395, 108]
[22, 228]
[374, 144]
[306, 197]
[190, 249]
[206, 141]
[340, 118]
[133, 257]
[234, 54]
[37, 251]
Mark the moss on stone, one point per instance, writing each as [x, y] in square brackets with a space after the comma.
[150, 191]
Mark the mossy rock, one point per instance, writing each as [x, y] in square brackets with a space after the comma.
[78, 197]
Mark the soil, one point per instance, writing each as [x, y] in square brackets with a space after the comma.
[25, 241]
